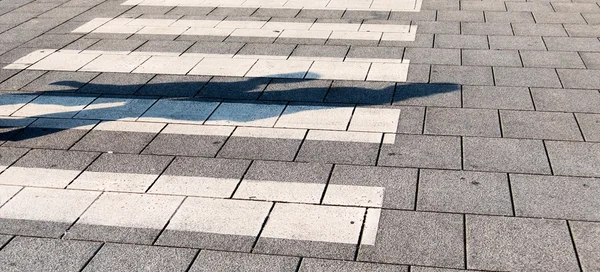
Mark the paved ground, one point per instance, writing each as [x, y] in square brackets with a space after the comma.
[300, 135]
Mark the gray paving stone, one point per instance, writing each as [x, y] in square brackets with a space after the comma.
[115, 141]
[147, 10]
[433, 56]
[432, 239]
[234, 87]
[54, 138]
[198, 11]
[440, 5]
[230, 11]
[464, 75]
[461, 41]
[14, 54]
[116, 45]
[19, 80]
[296, 90]
[411, 119]
[205, 167]
[165, 46]
[586, 237]
[129, 163]
[316, 265]
[173, 85]
[575, 7]
[505, 155]
[572, 44]
[366, 92]
[277, 13]
[40, 254]
[529, 6]
[579, 78]
[575, 159]
[289, 172]
[423, 15]
[215, 48]
[558, 18]
[60, 81]
[540, 125]
[551, 59]
[123, 257]
[568, 100]
[460, 16]
[471, 28]
[517, 42]
[209, 260]
[492, 97]
[445, 95]
[482, 5]
[526, 77]
[8, 155]
[249, 39]
[364, 14]
[590, 126]
[4, 239]
[508, 17]
[421, 40]
[591, 60]
[556, 197]
[434, 27]
[56, 159]
[304, 41]
[375, 52]
[334, 51]
[260, 148]
[531, 29]
[338, 152]
[185, 145]
[6, 74]
[116, 83]
[52, 41]
[436, 269]
[267, 49]
[418, 73]
[322, 14]
[423, 151]
[592, 18]
[518, 244]
[582, 30]
[462, 122]
[400, 183]
[464, 192]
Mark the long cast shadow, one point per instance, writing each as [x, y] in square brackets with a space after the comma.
[243, 90]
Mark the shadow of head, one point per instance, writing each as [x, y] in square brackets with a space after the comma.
[72, 98]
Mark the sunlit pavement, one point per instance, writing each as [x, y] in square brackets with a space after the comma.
[299, 135]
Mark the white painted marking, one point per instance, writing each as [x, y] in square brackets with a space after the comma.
[223, 67]
[375, 120]
[55, 106]
[369, 236]
[63, 61]
[43, 177]
[354, 195]
[34, 56]
[198, 130]
[6, 192]
[221, 216]
[344, 136]
[49, 205]
[179, 111]
[167, 65]
[108, 108]
[129, 126]
[347, 35]
[118, 182]
[246, 114]
[280, 191]
[10, 103]
[114, 63]
[314, 223]
[274, 133]
[338, 70]
[280, 68]
[394, 72]
[194, 186]
[315, 117]
[91, 25]
[131, 210]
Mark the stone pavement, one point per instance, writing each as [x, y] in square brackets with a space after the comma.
[299, 135]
